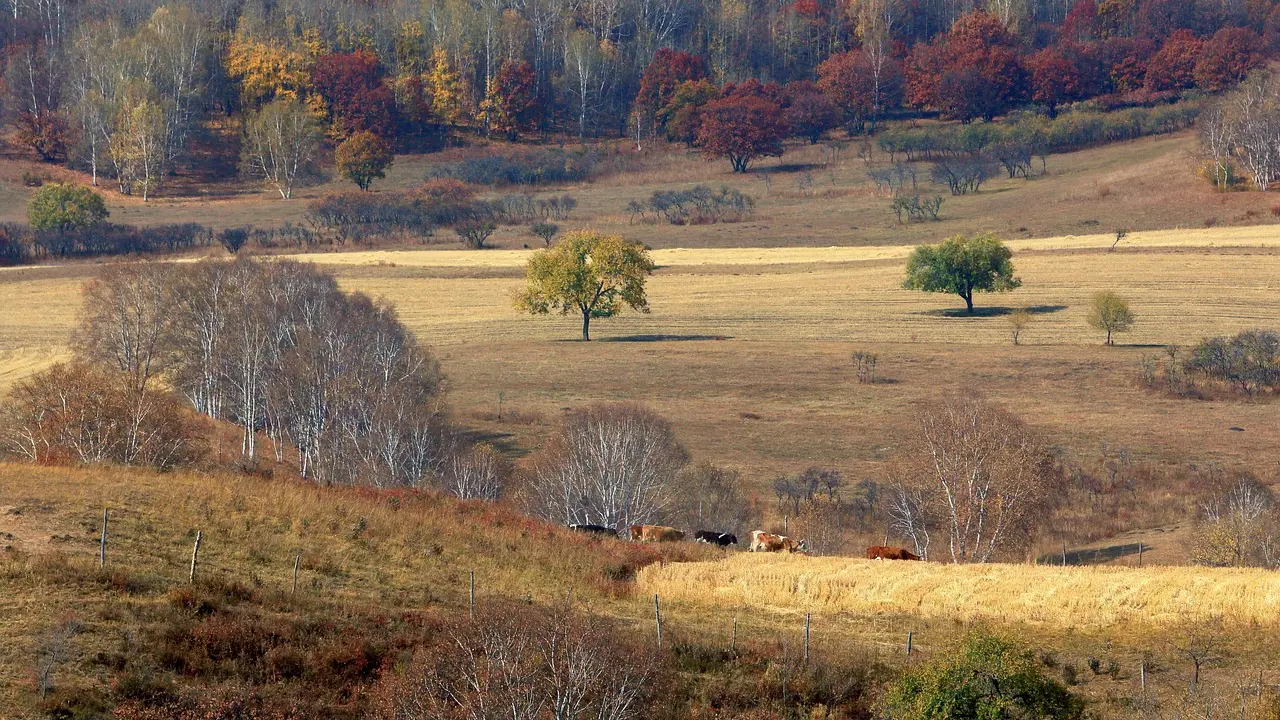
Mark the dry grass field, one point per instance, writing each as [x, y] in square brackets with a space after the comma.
[1072, 597]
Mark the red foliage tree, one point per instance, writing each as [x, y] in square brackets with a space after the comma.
[925, 66]
[808, 111]
[752, 87]
[512, 104]
[682, 116]
[742, 128]
[353, 91]
[1173, 66]
[860, 89]
[1081, 22]
[973, 71]
[1055, 78]
[664, 73]
[1230, 55]
[1123, 61]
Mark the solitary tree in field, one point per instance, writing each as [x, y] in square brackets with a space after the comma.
[1110, 313]
[65, 207]
[1018, 321]
[962, 265]
[596, 275]
[742, 128]
[362, 158]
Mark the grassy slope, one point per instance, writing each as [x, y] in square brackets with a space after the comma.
[361, 553]
[371, 586]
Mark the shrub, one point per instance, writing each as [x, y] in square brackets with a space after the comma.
[475, 231]
[1248, 362]
[58, 206]
[234, 238]
[545, 230]
[987, 678]
[699, 205]
[963, 175]
[916, 208]
[362, 158]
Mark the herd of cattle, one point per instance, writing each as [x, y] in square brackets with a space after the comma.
[761, 541]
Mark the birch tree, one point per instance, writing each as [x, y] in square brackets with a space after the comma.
[280, 144]
[611, 465]
[975, 477]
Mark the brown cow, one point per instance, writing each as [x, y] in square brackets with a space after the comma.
[762, 541]
[656, 533]
[885, 552]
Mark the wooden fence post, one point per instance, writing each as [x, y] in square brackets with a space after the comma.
[297, 560]
[1064, 553]
[657, 617]
[1142, 675]
[733, 644]
[471, 596]
[910, 637]
[1139, 553]
[195, 554]
[102, 549]
[806, 639]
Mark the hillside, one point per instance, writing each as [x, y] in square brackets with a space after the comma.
[382, 574]
[377, 565]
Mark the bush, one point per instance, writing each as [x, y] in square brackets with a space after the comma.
[474, 232]
[1248, 362]
[987, 678]
[20, 244]
[699, 205]
[65, 207]
[963, 175]
[537, 167]
[916, 208]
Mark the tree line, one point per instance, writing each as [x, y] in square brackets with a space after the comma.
[330, 382]
[122, 90]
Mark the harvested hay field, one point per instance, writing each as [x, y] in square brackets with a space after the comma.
[1070, 597]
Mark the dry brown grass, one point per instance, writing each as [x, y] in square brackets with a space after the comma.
[393, 551]
[1090, 598]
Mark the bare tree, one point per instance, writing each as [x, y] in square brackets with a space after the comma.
[281, 141]
[123, 322]
[714, 498]
[976, 476]
[611, 465]
[1238, 525]
[1202, 642]
[476, 473]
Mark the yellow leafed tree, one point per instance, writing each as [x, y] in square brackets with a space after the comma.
[448, 94]
[268, 70]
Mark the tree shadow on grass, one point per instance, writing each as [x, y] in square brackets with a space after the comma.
[663, 338]
[997, 311]
[1094, 556]
[787, 168]
[503, 442]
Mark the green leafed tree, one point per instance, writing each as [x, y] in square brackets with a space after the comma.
[1110, 313]
[65, 207]
[962, 265]
[989, 678]
[362, 158]
[596, 275]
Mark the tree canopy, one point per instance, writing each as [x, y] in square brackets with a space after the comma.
[1110, 313]
[742, 127]
[586, 272]
[988, 677]
[363, 157]
[962, 265]
[59, 206]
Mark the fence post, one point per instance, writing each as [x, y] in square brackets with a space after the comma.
[733, 645]
[910, 637]
[102, 549]
[806, 639]
[1142, 675]
[297, 560]
[1064, 553]
[195, 554]
[657, 617]
[471, 596]
[1139, 553]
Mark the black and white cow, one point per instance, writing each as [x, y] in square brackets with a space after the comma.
[712, 537]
